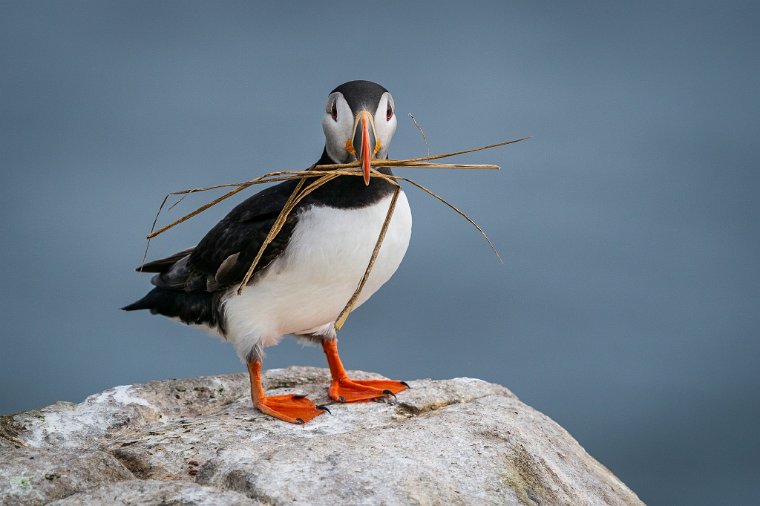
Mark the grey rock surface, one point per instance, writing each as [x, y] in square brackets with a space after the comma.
[38, 475]
[134, 492]
[199, 441]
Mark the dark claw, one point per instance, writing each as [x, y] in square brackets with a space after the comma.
[300, 420]
[324, 408]
[341, 398]
[405, 384]
[388, 392]
[299, 396]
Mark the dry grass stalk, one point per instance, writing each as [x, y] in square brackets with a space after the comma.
[343, 316]
[323, 174]
[421, 131]
[410, 161]
[290, 204]
[455, 209]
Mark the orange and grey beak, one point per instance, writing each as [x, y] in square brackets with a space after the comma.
[365, 141]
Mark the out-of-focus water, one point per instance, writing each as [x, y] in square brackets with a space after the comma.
[627, 308]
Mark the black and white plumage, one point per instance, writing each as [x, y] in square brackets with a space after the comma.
[311, 269]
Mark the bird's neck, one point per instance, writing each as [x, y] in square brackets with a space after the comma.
[349, 191]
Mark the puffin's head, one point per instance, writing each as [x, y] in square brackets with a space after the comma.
[359, 123]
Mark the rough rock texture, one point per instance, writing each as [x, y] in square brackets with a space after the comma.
[199, 441]
[156, 492]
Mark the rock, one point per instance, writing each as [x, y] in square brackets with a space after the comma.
[39, 475]
[131, 492]
[199, 441]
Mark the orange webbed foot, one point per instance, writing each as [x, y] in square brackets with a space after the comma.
[290, 408]
[349, 390]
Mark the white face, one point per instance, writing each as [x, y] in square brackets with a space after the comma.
[338, 125]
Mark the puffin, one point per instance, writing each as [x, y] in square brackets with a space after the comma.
[309, 271]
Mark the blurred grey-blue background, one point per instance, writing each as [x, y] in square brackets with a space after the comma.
[627, 308]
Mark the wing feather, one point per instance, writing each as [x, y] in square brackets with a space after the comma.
[222, 258]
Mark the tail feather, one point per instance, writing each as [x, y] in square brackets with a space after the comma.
[196, 308]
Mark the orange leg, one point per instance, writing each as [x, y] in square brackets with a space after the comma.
[344, 389]
[290, 408]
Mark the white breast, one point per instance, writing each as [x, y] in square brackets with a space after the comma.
[304, 289]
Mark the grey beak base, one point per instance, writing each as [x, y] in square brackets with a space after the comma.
[357, 141]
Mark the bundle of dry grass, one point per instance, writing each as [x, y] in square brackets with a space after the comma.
[318, 175]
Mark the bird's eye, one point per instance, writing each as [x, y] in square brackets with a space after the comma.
[334, 111]
[389, 113]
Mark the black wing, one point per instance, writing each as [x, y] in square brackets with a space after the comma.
[222, 258]
[189, 283]
[163, 264]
